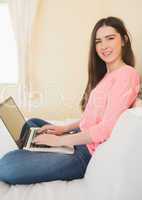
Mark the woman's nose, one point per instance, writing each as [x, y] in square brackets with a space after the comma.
[104, 45]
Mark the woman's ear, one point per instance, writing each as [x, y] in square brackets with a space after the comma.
[125, 40]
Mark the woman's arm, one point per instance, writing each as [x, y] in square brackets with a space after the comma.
[58, 130]
[71, 126]
[74, 139]
[64, 140]
[121, 96]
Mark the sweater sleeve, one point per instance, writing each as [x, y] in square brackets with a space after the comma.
[121, 96]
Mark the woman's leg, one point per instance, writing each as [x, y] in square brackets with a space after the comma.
[26, 167]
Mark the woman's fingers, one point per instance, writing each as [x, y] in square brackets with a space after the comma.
[51, 129]
[45, 127]
[47, 139]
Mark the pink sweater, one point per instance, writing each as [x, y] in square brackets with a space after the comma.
[115, 93]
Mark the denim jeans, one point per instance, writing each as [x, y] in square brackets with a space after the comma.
[26, 167]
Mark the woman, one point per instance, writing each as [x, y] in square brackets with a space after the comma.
[113, 85]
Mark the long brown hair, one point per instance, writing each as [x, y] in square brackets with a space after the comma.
[96, 66]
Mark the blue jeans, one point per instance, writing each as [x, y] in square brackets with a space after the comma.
[26, 167]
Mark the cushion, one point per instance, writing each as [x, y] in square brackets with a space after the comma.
[114, 171]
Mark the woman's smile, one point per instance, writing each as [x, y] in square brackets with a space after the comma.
[106, 53]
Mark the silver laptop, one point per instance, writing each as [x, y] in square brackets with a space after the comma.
[14, 120]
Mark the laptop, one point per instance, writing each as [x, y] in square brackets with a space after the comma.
[14, 120]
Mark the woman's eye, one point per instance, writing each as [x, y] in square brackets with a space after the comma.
[111, 38]
[97, 42]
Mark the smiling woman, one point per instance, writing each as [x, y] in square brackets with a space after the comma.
[8, 48]
[107, 96]
[108, 46]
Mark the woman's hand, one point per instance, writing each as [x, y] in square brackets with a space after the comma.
[47, 139]
[52, 129]
[65, 140]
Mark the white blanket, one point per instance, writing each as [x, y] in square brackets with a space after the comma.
[114, 172]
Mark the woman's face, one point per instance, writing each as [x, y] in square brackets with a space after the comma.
[108, 44]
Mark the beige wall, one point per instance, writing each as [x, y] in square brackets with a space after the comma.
[60, 51]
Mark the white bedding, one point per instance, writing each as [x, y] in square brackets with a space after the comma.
[60, 190]
[114, 172]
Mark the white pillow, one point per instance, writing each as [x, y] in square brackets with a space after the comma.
[115, 168]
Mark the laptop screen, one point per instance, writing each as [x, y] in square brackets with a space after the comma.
[12, 117]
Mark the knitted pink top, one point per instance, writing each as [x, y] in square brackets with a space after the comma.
[115, 93]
